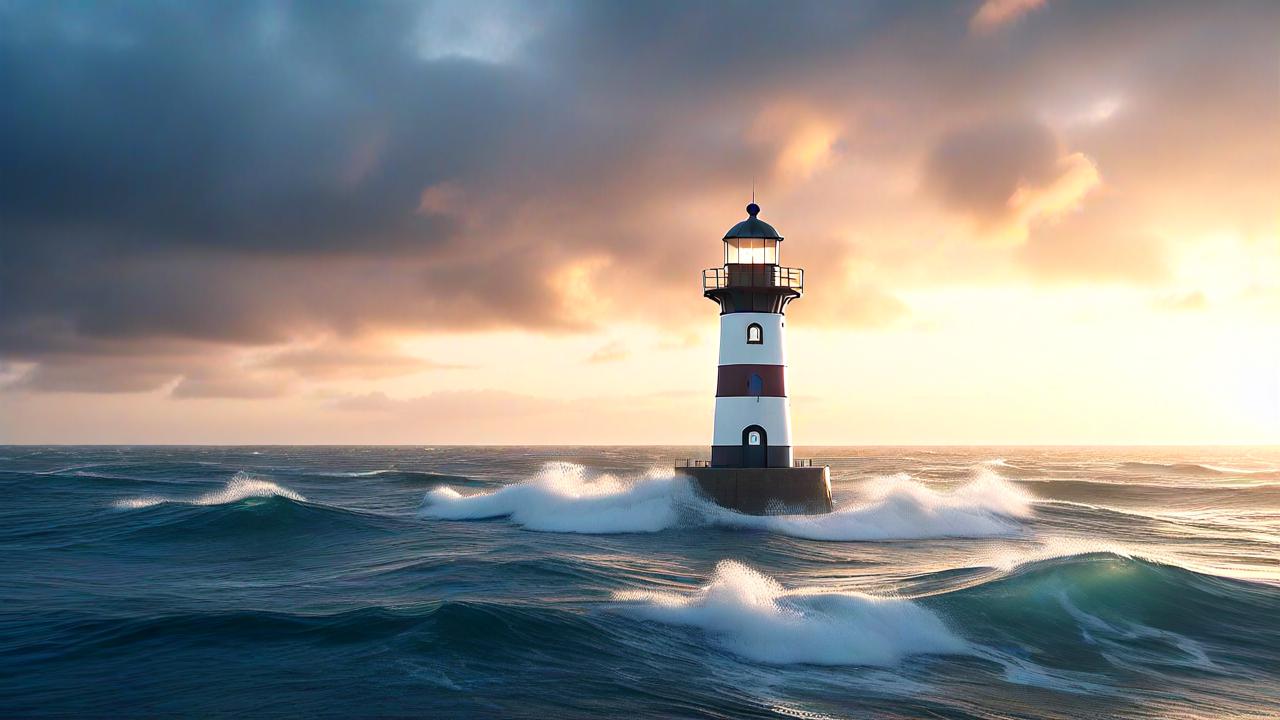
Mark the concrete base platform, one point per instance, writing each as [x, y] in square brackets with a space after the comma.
[766, 491]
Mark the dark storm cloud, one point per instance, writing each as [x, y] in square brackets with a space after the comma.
[168, 124]
[201, 176]
[203, 170]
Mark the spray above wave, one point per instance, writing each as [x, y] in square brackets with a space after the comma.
[751, 615]
[563, 498]
[240, 487]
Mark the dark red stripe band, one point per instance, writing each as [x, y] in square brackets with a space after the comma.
[751, 381]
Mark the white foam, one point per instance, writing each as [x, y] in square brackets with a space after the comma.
[562, 498]
[751, 615]
[138, 502]
[239, 487]
[899, 508]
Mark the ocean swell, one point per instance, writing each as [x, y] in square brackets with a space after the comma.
[752, 615]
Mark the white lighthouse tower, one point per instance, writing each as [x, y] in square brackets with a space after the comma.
[752, 468]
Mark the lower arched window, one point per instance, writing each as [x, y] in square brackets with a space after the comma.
[755, 334]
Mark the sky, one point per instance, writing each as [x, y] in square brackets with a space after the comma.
[484, 222]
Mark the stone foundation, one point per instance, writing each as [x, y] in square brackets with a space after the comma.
[765, 491]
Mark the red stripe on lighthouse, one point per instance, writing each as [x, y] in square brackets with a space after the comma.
[737, 381]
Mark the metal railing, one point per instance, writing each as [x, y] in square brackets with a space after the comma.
[801, 462]
[688, 463]
[753, 276]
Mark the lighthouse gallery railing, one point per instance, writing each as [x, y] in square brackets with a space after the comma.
[752, 276]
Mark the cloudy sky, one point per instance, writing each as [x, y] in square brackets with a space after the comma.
[1022, 221]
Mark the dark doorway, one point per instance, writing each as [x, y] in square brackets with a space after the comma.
[755, 447]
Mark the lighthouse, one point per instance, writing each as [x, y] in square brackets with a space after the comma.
[752, 467]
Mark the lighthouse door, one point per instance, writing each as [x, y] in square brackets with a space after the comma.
[755, 447]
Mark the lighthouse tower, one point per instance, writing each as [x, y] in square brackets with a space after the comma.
[752, 468]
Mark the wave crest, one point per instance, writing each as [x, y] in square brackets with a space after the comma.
[899, 508]
[241, 486]
[563, 498]
[751, 615]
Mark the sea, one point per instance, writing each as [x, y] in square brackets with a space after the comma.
[585, 582]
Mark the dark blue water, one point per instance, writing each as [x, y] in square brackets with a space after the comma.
[533, 582]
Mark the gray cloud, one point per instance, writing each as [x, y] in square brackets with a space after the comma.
[198, 177]
[978, 169]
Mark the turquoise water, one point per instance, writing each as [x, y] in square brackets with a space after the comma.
[576, 582]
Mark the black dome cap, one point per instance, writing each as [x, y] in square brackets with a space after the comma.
[753, 227]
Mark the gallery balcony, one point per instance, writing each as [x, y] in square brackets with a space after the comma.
[744, 275]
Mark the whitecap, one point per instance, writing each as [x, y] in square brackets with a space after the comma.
[562, 498]
[240, 487]
[900, 508]
[751, 615]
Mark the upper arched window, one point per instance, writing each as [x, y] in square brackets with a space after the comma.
[755, 334]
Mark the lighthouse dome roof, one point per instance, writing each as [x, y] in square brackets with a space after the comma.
[753, 227]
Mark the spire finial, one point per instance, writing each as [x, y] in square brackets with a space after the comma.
[753, 209]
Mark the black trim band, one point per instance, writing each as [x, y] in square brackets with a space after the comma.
[731, 456]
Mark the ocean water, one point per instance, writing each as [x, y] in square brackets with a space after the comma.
[586, 582]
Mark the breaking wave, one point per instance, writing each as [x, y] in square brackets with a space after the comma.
[240, 487]
[562, 497]
[751, 615]
[899, 508]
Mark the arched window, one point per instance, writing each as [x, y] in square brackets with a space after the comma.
[755, 385]
[755, 334]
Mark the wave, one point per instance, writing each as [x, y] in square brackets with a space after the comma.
[241, 486]
[899, 508]
[407, 477]
[562, 497]
[1201, 469]
[471, 626]
[751, 615]
[246, 509]
[1099, 610]
[1068, 621]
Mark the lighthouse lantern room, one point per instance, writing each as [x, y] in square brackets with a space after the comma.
[752, 468]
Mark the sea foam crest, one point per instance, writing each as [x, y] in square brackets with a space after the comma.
[899, 508]
[562, 497]
[751, 615]
[240, 487]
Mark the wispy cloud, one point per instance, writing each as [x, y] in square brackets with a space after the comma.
[995, 14]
